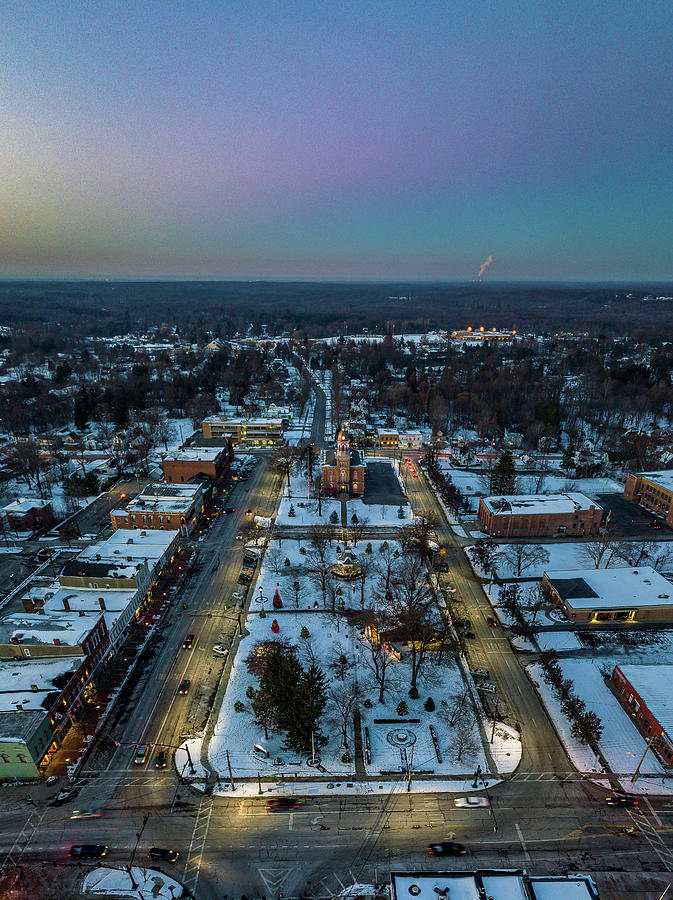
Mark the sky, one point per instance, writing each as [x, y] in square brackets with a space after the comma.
[337, 140]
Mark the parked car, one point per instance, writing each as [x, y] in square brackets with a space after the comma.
[236, 596]
[463, 623]
[141, 755]
[220, 650]
[86, 814]
[184, 686]
[621, 800]
[447, 848]
[188, 641]
[250, 561]
[472, 801]
[88, 851]
[488, 687]
[470, 634]
[161, 761]
[244, 578]
[481, 674]
[161, 854]
[276, 803]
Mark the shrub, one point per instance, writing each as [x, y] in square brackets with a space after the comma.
[429, 705]
[402, 708]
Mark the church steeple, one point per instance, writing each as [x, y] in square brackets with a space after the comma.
[343, 444]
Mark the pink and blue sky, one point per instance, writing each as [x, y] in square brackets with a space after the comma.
[337, 140]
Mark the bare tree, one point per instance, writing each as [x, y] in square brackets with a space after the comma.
[357, 528]
[465, 745]
[274, 557]
[524, 556]
[603, 549]
[24, 461]
[458, 708]
[420, 534]
[412, 609]
[285, 459]
[366, 567]
[386, 563]
[377, 658]
[343, 698]
[318, 570]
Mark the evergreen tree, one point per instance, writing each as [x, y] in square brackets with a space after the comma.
[503, 476]
[568, 462]
[308, 704]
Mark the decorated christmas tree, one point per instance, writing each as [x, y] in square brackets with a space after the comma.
[275, 627]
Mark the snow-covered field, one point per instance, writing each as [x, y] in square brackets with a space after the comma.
[621, 743]
[475, 484]
[330, 635]
[561, 556]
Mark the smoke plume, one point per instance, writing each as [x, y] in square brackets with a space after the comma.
[487, 262]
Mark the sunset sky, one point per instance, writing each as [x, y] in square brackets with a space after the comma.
[337, 140]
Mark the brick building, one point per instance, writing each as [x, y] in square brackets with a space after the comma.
[180, 466]
[29, 513]
[654, 491]
[343, 468]
[645, 694]
[540, 515]
[168, 507]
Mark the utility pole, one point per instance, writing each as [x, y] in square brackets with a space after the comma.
[189, 757]
[231, 774]
[411, 766]
[259, 782]
[634, 777]
[139, 834]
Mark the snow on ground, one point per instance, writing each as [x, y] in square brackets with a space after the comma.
[330, 635]
[338, 787]
[475, 484]
[190, 750]
[621, 743]
[151, 883]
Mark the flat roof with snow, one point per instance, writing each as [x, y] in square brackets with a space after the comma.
[618, 588]
[663, 479]
[194, 454]
[496, 884]
[539, 504]
[25, 504]
[137, 543]
[70, 628]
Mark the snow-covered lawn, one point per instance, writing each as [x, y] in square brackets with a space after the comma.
[621, 743]
[330, 635]
[561, 556]
[151, 883]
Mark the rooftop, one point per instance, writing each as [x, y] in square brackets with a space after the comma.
[195, 454]
[17, 678]
[20, 726]
[259, 423]
[25, 504]
[69, 628]
[495, 884]
[108, 568]
[539, 504]
[136, 543]
[653, 683]
[618, 588]
[663, 479]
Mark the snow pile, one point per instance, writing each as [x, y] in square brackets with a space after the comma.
[151, 884]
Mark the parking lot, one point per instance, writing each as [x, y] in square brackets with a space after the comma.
[381, 485]
[632, 521]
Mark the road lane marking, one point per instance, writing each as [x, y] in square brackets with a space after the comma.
[523, 845]
[653, 811]
[290, 820]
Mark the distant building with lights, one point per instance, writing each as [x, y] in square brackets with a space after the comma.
[482, 334]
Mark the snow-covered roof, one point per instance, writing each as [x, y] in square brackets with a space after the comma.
[25, 504]
[18, 675]
[662, 479]
[70, 628]
[136, 543]
[653, 683]
[496, 884]
[539, 504]
[194, 454]
[618, 588]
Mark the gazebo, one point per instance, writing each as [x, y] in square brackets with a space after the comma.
[347, 566]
